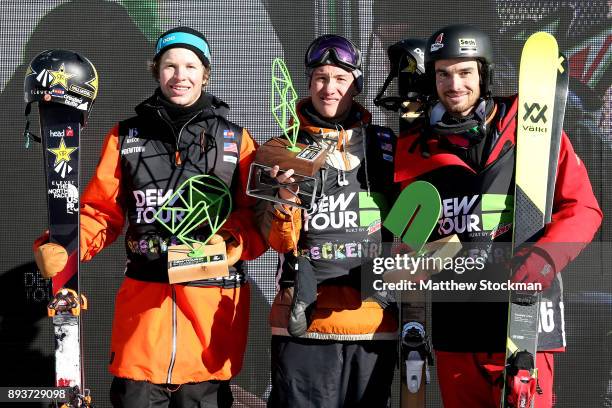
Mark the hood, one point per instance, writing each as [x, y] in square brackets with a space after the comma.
[312, 123]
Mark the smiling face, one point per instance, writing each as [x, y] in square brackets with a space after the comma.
[458, 85]
[332, 91]
[181, 76]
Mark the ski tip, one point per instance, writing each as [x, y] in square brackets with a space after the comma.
[541, 35]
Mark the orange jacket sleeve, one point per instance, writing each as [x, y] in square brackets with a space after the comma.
[102, 215]
[241, 222]
[281, 228]
[279, 224]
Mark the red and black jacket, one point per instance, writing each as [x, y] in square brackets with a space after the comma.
[466, 195]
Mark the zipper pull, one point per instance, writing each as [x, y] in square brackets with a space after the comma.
[177, 158]
[342, 181]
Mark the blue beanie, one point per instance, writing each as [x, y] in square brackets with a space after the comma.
[184, 37]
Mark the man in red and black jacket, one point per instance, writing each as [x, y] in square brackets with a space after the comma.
[466, 148]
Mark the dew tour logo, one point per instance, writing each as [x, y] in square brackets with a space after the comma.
[477, 215]
[457, 216]
[36, 288]
[535, 113]
[149, 200]
[332, 212]
[351, 211]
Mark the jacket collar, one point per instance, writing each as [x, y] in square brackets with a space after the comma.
[316, 125]
[212, 106]
[427, 155]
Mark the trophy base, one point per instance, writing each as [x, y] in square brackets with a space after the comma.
[305, 160]
[209, 262]
[261, 185]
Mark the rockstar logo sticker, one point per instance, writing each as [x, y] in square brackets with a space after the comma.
[93, 82]
[62, 153]
[62, 157]
[60, 77]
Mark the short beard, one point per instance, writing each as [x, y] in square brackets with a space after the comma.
[458, 110]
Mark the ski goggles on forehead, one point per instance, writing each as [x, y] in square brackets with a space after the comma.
[335, 49]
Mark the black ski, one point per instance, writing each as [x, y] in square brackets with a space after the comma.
[61, 129]
[413, 217]
[406, 59]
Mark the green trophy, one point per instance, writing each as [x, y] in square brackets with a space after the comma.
[197, 210]
[284, 151]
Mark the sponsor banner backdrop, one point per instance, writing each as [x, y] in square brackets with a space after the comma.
[118, 37]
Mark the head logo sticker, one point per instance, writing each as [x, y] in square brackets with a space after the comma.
[438, 43]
